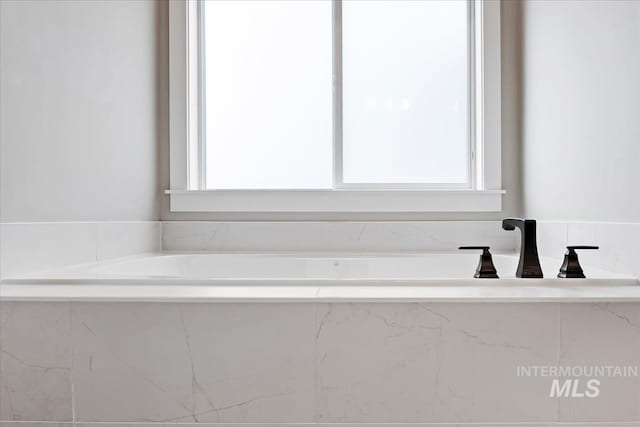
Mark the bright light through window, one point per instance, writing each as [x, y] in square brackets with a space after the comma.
[268, 87]
[405, 91]
[270, 69]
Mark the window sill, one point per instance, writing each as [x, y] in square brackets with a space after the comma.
[382, 201]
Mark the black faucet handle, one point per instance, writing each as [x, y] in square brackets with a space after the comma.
[571, 268]
[579, 247]
[481, 248]
[485, 269]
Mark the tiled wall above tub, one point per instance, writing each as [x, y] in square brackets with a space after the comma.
[371, 236]
[619, 250]
[30, 247]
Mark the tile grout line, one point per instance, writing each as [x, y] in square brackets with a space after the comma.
[315, 362]
[559, 322]
[73, 394]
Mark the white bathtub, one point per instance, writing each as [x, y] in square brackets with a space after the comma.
[228, 277]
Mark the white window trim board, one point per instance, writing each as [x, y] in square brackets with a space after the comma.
[344, 201]
[186, 151]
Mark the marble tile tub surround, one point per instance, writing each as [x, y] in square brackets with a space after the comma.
[31, 247]
[331, 364]
[619, 251]
[35, 362]
[619, 248]
[370, 236]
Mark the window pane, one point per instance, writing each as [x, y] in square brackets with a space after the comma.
[405, 91]
[268, 94]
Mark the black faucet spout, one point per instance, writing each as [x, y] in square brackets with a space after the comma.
[529, 264]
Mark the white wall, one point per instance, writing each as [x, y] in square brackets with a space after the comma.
[581, 110]
[84, 88]
[78, 110]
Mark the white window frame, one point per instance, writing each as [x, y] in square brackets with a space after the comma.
[186, 112]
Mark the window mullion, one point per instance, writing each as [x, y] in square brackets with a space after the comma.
[202, 130]
[472, 92]
[193, 94]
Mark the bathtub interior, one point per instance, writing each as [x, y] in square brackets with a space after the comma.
[310, 266]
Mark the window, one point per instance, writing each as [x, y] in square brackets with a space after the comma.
[335, 105]
[405, 92]
[268, 96]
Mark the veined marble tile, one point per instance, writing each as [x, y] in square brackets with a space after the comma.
[485, 346]
[318, 425]
[193, 362]
[201, 424]
[602, 335]
[491, 233]
[30, 247]
[33, 424]
[334, 236]
[117, 239]
[619, 250]
[506, 424]
[552, 240]
[35, 362]
[11, 263]
[495, 424]
[376, 362]
[130, 362]
[610, 424]
[416, 363]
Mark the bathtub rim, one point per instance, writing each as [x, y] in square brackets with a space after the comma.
[42, 286]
